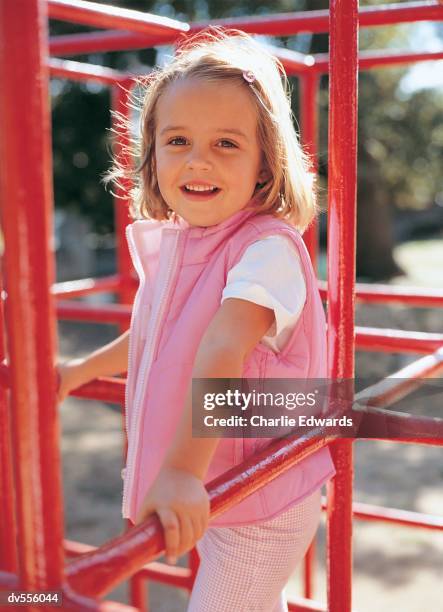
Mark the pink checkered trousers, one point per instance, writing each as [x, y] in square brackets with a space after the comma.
[245, 569]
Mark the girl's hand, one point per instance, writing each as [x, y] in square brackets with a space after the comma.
[70, 377]
[182, 504]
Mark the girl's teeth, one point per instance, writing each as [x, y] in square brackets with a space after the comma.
[199, 188]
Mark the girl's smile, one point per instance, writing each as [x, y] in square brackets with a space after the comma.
[208, 159]
[197, 191]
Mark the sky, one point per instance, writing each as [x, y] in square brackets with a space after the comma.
[426, 37]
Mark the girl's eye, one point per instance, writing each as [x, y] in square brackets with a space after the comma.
[227, 144]
[173, 141]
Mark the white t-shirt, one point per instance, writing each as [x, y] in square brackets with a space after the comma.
[270, 274]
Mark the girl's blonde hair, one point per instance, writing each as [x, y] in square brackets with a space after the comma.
[225, 55]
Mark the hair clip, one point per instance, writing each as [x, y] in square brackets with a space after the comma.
[249, 76]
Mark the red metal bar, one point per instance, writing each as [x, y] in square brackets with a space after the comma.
[286, 24]
[104, 389]
[26, 217]
[398, 385]
[194, 564]
[120, 105]
[366, 338]
[78, 71]
[393, 294]
[431, 441]
[294, 62]
[109, 313]
[414, 296]
[107, 16]
[112, 40]
[398, 341]
[309, 570]
[368, 512]
[300, 604]
[281, 24]
[309, 135]
[96, 573]
[342, 172]
[138, 592]
[86, 286]
[8, 527]
[380, 58]
[381, 424]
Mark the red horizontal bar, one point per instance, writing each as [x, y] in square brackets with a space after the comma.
[369, 512]
[277, 24]
[301, 604]
[365, 292]
[399, 341]
[79, 71]
[367, 338]
[396, 386]
[103, 389]
[382, 424]
[413, 440]
[10, 582]
[380, 58]
[93, 313]
[286, 24]
[377, 293]
[84, 286]
[108, 16]
[112, 40]
[161, 572]
[294, 63]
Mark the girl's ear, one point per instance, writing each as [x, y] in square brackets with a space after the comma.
[263, 177]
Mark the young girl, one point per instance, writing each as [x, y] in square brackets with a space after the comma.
[226, 291]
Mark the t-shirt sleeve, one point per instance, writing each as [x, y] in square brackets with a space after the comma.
[270, 274]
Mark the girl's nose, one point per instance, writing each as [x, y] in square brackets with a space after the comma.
[198, 160]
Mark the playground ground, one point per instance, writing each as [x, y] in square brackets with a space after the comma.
[395, 568]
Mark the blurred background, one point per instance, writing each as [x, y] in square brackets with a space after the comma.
[400, 229]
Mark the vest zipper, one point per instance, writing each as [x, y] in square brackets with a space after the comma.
[132, 337]
[144, 369]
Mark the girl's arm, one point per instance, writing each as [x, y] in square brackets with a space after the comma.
[106, 361]
[178, 494]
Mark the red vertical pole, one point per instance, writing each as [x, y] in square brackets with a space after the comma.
[26, 217]
[138, 593]
[309, 568]
[309, 83]
[343, 46]
[309, 133]
[8, 528]
[119, 103]
[194, 564]
[120, 94]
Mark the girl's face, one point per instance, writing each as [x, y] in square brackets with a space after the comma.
[206, 149]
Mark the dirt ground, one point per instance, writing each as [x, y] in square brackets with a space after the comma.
[395, 568]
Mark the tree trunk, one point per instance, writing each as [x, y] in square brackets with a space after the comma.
[375, 241]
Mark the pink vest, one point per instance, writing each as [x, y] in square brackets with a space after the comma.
[182, 271]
